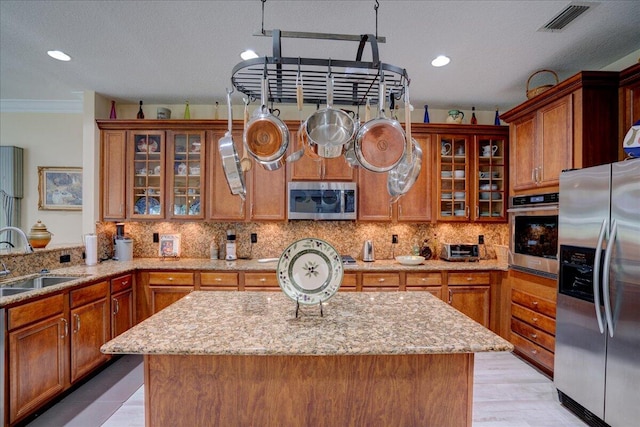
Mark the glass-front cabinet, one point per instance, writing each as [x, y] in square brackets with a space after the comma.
[185, 174]
[490, 178]
[453, 190]
[147, 191]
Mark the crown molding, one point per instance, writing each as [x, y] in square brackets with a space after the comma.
[41, 106]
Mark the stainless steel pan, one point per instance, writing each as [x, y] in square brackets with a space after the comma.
[230, 161]
[380, 142]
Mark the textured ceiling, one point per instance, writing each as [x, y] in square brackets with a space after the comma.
[171, 51]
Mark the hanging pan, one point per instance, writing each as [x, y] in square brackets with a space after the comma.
[266, 137]
[380, 142]
[329, 129]
[401, 178]
[230, 161]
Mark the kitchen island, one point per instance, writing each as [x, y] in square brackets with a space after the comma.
[243, 358]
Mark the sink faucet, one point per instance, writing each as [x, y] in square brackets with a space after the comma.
[27, 247]
[5, 271]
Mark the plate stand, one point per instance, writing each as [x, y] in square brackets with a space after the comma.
[298, 308]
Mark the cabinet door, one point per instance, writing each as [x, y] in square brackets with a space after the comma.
[90, 330]
[222, 204]
[555, 124]
[373, 196]
[186, 167]
[38, 365]
[380, 282]
[164, 296]
[416, 205]
[147, 151]
[337, 170]
[472, 301]
[121, 312]
[522, 153]
[267, 193]
[490, 179]
[306, 169]
[114, 163]
[454, 193]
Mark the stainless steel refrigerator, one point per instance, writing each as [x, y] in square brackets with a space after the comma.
[597, 355]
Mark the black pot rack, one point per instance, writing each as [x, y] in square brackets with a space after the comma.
[354, 81]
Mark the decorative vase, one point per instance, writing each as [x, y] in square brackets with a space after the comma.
[112, 115]
[426, 114]
[39, 237]
[187, 113]
[496, 120]
[140, 112]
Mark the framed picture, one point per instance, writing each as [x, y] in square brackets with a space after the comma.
[59, 188]
[169, 245]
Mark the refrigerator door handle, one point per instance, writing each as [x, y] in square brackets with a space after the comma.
[605, 276]
[596, 276]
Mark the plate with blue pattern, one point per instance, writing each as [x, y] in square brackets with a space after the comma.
[310, 271]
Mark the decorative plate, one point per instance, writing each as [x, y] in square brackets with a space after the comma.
[310, 271]
[141, 205]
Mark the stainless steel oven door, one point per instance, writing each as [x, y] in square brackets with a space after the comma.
[534, 239]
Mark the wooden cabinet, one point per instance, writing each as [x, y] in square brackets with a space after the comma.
[165, 288]
[470, 294]
[261, 281]
[309, 169]
[38, 342]
[147, 174]
[267, 194]
[122, 315]
[374, 201]
[349, 282]
[185, 174]
[219, 281]
[629, 102]
[380, 282]
[533, 313]
[113, 174]
[222, 204]
[571, 125]
[425, 281]
[471, 174]
[90, 328]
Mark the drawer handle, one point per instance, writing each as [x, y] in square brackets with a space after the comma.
[381, 279]
[262, 279]
[534, 320]
[535, 303]
[534, 336]
[116, 308]
[534, 351]
[218, 279]
[424, 279]
[125, 282]
[469, 279]
[170, 279]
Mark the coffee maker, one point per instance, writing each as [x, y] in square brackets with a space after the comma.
[123, 245]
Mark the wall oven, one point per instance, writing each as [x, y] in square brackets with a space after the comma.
[533, 220]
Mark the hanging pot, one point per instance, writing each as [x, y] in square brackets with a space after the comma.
[266, 137]
[330, 129]
[380, 143]
[230, 161]
[401, 178]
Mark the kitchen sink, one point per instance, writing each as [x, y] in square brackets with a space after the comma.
[35, 283]
[5, 292]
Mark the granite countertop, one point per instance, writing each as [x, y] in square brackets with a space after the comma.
[106, 269]
[259, 323]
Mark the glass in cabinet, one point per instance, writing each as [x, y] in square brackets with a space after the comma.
[187, 154]
[148, 174]
[490, 179]
[453, 191]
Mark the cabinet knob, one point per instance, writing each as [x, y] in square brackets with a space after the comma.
[534, 320]
[534, 336]
[170, 279]
[534, 351]
[125, 282]
[469, 279]
[380, 280]
[262, 279]
[535, 303]
[218, 279]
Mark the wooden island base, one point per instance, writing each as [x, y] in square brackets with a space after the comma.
[355, 390]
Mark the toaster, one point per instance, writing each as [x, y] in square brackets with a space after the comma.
[459, 252]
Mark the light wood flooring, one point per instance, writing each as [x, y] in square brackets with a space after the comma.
[507, 393]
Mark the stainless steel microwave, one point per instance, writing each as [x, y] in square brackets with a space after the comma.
[322, 200]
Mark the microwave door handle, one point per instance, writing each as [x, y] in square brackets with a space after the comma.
[343, 198]
[605, 276]
[596, 276]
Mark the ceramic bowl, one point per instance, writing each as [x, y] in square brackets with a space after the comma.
[410, 259]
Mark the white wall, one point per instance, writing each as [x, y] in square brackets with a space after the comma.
[48, 140]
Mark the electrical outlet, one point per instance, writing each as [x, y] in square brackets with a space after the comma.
[65, 258]
[156, 238]
[254, 237]
[481, 239]
[394, 238]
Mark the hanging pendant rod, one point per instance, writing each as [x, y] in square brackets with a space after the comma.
[317, 36]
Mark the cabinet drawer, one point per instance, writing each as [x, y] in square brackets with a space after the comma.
[170, 278]
[89, 293]
[380, 280]
[424, 279]
[260, 280]
[533, 334]
[219, 279]
[545, 323]
[465, 279]
[34, 311]
[349, 282]
[532, 351]
[533, 302]
[121, 283]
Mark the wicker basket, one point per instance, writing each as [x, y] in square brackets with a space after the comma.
[538, 90]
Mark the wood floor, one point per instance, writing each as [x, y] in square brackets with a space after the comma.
[507, 393]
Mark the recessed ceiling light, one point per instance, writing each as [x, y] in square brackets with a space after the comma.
[440, 61]
[59, 55]
[248, 54]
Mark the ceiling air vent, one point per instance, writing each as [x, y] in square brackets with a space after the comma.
[565, 17]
